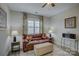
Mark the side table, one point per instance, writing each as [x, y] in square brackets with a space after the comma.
[15, 46]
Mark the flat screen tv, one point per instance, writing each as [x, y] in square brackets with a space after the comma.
[69, 35]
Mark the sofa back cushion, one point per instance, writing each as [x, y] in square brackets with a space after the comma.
[36, 35]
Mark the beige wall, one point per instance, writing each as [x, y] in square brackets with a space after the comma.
[16, 22]
[57, 22]
[46, 24]
[3, 33]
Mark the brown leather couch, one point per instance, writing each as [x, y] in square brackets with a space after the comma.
[30, 40]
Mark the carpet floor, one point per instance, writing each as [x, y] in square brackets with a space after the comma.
[56, 52]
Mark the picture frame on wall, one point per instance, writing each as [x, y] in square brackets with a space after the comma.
[3, 19]
[70, 22]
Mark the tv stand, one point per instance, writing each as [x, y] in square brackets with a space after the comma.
[64, 43]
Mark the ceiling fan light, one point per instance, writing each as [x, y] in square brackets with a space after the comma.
[51, 4]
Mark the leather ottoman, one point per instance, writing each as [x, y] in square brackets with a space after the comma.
[43, 48]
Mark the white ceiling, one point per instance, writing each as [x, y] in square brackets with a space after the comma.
[35, 8]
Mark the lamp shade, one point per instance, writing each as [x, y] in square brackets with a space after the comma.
[51, 30]
[14, 32]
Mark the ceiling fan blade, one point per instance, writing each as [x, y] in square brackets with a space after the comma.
[52, 4]
[44, 5]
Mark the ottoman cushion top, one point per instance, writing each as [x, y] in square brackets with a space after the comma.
[42, 45]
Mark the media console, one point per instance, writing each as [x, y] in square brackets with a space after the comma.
[67, 38]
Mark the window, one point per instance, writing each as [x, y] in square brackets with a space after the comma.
[33, 26]
[30, 27]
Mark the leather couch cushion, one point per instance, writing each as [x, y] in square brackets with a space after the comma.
[38, 41]
[37, 35]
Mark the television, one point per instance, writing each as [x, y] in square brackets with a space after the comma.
[69, 35]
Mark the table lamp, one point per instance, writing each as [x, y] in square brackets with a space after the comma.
[50, 31]
[14, 33]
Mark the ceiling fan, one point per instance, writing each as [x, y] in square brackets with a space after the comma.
[52, 4]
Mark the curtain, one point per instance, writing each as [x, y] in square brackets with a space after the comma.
[24, 23]
[41, 24]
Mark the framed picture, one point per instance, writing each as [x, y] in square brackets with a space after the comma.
[3, 19]
[70, 22]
